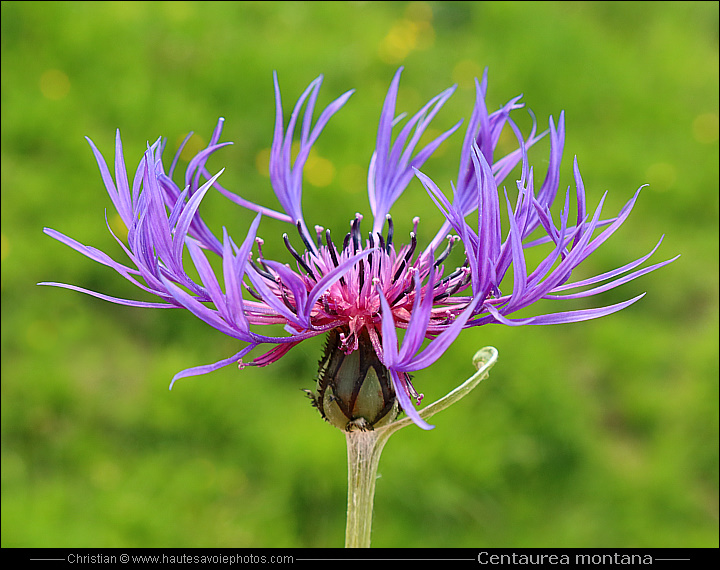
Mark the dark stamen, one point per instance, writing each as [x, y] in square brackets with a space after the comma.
[308, 245]
[454, 274]
[252, 291]
[285, 297]
[404, 293]
[413, 245]
[391, 230]
[381, 243]
[398, 273]
[298, 257]
[454, 288]
[327, 308]
[346, 242]
[444, 255]
[331, 247]
[356, 233]
[371, 243]
[262, 271]
[333, 255]
[408, 255]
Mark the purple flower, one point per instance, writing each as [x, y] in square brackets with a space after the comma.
[361, 289]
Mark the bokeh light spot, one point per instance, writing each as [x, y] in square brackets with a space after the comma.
[118, 227]
[403, 37]
[419, 12]
[661, 176]
[705, 128]
[465, 72]
[319, 171]
[4, 247]
[262, 162]
[194, 145]
[54, 84]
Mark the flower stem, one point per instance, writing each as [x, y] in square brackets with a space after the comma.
[365, 448]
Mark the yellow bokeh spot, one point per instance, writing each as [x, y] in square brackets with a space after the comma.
[319, 171]
[118, 227]
[705, 128]
[430, 135]
[425, 35]
[403, 37]
[465, 72]
[506, 143]
[661, 176]
[262, 162]
[54, 84]
[178, 11]
[4, 247]
[419, 12]
[128, 11]
[194, 145]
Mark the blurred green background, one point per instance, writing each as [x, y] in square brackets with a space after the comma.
[601, 434]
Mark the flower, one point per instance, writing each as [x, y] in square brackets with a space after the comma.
[362, 291]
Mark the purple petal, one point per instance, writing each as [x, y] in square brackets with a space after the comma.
[405, 402]
[198, 370]
[117, 300]
[437, 347]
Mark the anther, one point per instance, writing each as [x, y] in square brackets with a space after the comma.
[308, 246]
[355, 224]
[453, 275]
[371, 243]
[298, 257]
[252, 291]
[381, 243]
[444, 255]
[318, 233]
[333, 255]
[285, 298]
[398, 273]
[331, 247]
[391, 230]
[411, 271]
[413, 245]
[455, 287]
[408, 255]
[261, 270]
[259, 241]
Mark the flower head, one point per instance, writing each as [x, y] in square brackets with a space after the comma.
[360, 289]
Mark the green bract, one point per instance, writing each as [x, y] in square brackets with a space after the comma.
[354, 391]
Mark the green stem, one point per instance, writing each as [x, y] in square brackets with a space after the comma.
[365, 448]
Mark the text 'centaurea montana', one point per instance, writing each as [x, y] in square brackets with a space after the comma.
[361, 291]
